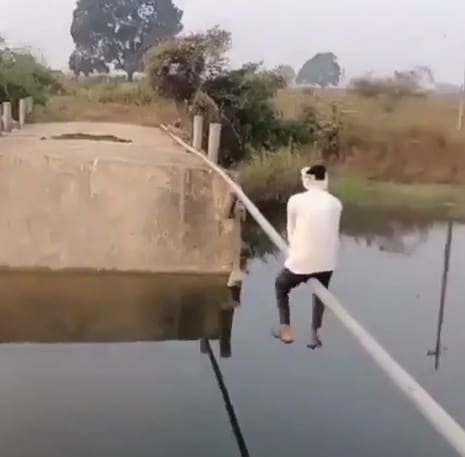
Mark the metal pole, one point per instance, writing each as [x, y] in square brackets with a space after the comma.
[447, 251]
[461, 105]
[236, 428]
[446, 425]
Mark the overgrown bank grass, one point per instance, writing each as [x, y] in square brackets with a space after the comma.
[415, 141]
[270, 179]
[70, 108]
[107, 99]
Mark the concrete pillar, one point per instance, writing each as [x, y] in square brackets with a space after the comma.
[22, 110]
[197, 134]
[7, 120]
[226, 319]
[204, 346]
[29, 105]
[214, 141]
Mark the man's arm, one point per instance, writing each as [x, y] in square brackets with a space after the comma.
[290, 219]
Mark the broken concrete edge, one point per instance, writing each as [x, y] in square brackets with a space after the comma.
[95, 162]
[232, 230]
[235, 209]
[4, 269]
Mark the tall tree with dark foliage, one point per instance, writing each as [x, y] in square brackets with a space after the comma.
[119, 32]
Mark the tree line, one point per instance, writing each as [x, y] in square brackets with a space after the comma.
[116, 35]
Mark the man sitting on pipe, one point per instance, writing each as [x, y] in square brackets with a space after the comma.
[313, 220]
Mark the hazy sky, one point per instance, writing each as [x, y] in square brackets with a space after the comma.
[380, 35]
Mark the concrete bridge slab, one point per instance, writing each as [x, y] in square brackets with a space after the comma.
[120, 198]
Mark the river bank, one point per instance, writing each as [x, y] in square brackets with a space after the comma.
[271, 183]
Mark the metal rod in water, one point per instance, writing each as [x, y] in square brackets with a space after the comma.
[446, 425]
[227, 401]
[436, 352]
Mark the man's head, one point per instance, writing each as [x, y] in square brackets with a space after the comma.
[315, 176]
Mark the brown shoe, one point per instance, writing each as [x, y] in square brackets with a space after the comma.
[284, 333]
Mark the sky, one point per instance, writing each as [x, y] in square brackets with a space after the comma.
[366, 35]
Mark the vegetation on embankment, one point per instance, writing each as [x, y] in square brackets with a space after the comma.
[408, 155]
[22, 75]
[416, 142]
[270, 179]
[411, 140]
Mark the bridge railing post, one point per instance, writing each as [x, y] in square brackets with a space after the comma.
[29, 105]
[22, 111]
[7, 116]
[197, 134]
[214, 141]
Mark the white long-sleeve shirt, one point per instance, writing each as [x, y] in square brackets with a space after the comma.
[313, 220]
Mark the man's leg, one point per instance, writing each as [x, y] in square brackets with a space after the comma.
[319, 309]
[285, 282]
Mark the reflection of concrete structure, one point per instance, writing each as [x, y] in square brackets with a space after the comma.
[132, 201]
[400, 243]
[226, 316]
[71, 307]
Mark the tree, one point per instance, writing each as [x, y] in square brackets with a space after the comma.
[389, 90]
[81, 61]
[179, 67]
[119, 32]
[422, 76]
[287, 73]
[322, 70]
[21, 75]
[194, 69]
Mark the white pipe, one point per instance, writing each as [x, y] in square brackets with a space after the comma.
[197, 134]
[446, 425]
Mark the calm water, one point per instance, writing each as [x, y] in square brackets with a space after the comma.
[138, 393]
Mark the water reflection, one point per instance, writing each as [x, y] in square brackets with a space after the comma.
[72, 307]
[391, 232]
[396, 232]
[436, 352]
[226, 320]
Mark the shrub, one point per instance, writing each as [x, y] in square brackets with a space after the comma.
[22, 76]
[389, 90]
[194, 69]
[178, 67]
[126, 93]
[243, 101]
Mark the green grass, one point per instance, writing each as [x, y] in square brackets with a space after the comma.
[270, 179]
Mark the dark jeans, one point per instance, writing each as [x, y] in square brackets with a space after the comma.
[286, 281]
